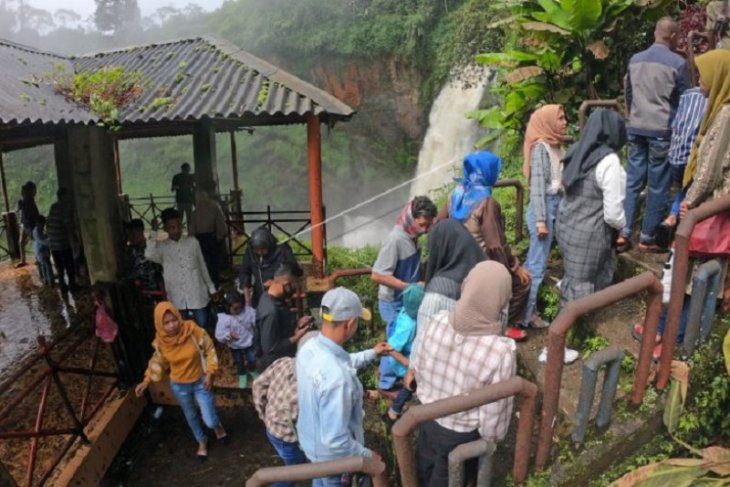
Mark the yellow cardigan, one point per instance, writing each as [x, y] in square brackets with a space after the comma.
[185, 362]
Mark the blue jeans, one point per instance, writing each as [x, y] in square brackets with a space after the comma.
[200, 316]
[335, 481]
[404, 395]
[44, 269]
[388, 312]
[647, 166]
[290, 453]
[539, 252]
[676, 175]
[684, 317]
[187, 395]
[245, 359]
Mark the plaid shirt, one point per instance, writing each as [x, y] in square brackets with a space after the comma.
[448, 364]
[275, 399]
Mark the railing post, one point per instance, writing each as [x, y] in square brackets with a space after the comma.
[154, 210]
[482, 449]
[610, 358]
[705, 289]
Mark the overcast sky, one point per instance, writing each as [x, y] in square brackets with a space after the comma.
[86, 7]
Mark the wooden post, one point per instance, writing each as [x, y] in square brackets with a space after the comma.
[236, 193]
[5, 187]
[117, 165]
[316, 210]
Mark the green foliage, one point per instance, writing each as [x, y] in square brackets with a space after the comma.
[103, 91]
[594, 344]
[548, 299]
[161, 101]
[560, 52]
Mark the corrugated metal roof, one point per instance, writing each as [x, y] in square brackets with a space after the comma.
[182, 80]
[26, 91]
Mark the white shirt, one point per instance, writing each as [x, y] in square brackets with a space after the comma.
[187, 282]
[611, 178]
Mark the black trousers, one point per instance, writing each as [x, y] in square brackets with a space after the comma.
[211, 248]
[432, 454]
[64, 262]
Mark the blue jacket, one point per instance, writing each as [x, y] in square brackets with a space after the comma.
[656, 79]
[330, 400]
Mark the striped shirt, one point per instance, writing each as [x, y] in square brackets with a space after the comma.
[686, 125]
[449, 364]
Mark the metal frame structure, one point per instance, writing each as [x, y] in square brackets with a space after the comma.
[515, 386]
[481, 449]
[556, 347]
[706, 286]
[46, 379]
[609, 358]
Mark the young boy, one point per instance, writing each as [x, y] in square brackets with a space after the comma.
[235, 328]
[42, 251]
[187, 282]
[144, 274]
[401, 339]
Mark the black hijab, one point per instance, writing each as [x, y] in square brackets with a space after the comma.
[604, 134]
[452, 251]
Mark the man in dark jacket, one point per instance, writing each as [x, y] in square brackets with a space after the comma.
[277, 331]
[263, 257]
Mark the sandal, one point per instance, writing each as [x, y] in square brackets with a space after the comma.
[515, 334]
[623, 244]
[638, 333]
[651, 248]
[538, 323]
[657, 352]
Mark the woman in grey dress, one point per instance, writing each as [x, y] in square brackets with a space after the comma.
[591, 212]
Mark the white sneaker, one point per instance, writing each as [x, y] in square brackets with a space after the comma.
[569, 357]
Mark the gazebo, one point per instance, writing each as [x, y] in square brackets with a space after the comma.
[195, 87]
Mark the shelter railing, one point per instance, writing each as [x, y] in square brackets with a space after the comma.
[148, 208]
[284, 223]
[309, 471]
[72, 413]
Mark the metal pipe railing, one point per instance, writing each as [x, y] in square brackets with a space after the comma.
[705, 289]
[309, 471]
[587, 104]
[679, 279]
[556, 347]
[519, 203]
[514, 386]
[482, 449]
[609, 358]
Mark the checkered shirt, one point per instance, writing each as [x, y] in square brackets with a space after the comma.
[275, 399]
[448, 364]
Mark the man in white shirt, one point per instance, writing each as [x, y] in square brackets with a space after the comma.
[187, 282]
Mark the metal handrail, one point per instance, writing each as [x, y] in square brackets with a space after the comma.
[705, 287]
[679, 279]
[309, 471]
[556, 347]
[514, 386]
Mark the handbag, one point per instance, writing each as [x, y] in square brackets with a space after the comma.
[711, 236]
[106, 327]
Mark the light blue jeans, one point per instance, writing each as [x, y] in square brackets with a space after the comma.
[539, 252]
[388, 313]
[187, 395]
[335, 481]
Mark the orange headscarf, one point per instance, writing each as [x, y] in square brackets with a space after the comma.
[165, 341]
[543, 126]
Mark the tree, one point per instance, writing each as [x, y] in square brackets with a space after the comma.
[116, 16]
[67, 18]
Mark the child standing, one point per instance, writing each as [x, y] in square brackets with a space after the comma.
[236, 329]
[401, 339]
[42, 251]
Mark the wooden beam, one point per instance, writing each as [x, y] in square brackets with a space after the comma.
[316, 204]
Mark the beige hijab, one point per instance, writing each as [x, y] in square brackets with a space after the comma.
[485, 292]
[543, 127]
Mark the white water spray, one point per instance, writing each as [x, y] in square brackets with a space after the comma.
[450, 134]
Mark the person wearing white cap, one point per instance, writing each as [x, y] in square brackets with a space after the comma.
[330, 423]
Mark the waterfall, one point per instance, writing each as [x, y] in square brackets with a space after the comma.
[450, 135]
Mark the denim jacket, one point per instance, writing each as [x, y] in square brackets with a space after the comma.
[330, 423]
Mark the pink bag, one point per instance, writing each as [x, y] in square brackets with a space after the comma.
[106, 327]
[711, 236]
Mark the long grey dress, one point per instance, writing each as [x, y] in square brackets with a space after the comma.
[585, 240]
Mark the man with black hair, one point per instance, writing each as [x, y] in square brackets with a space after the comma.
[277, 330]
[183, 184]
[144, 274]
[263, 257]
[61, 239]
[398, 265]
[187, 282]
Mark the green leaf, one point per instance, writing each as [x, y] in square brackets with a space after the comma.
[674, 407]
[674, 476]
[583, 14]
[495, 59]
[490, 118]
[544, 27]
